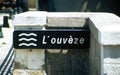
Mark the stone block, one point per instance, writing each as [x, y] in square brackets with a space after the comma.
[28, 72]
[66, 22]
[30, 19]
[105, 41]
[29, 59]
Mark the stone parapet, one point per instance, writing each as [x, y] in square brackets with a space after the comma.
[30, 20]
[104, 41]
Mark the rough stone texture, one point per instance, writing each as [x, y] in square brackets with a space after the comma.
[67, 62]
[105, 34]
[112, 60]
[30, 19]
[107, 29]
[66, 22]
[29, 59]
[107, 45]
[95, 56]
[28, 72]
[112, 66]
[75, 61]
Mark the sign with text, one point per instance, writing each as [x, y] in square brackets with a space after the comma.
[52, 39]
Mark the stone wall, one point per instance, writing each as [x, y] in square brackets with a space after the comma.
[112, 60]
[105, 56]
[62, 62]
[54, 61]
[98, 60]
[95, 56]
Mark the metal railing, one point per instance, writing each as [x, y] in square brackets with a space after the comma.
[7, 65]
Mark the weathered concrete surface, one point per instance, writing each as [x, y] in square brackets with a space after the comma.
[104, 45]
[30, 20]
[29, 59]
[67, 62]
[66, 22]
[112, 60]
[28, 72]
[53, 60]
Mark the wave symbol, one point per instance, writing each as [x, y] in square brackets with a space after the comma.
[30, 44]
[30, 39]
[25, 34]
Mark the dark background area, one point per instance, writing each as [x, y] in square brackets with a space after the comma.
[112, 6]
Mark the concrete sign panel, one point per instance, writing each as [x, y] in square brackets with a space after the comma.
[52, 39]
